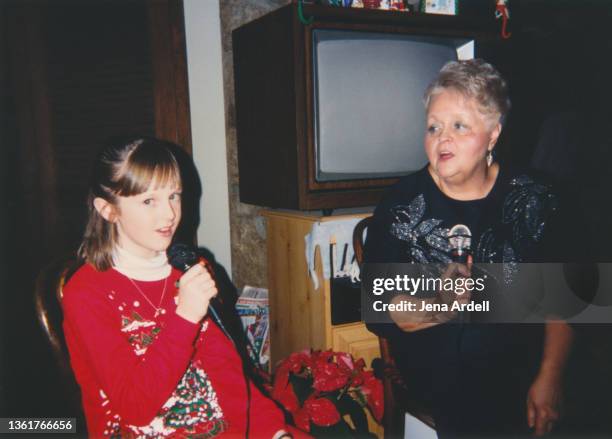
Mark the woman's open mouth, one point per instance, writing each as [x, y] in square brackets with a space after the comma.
[443, 156]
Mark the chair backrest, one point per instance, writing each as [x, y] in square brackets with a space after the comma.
[385, 352]
[396, 400]
[47, 301]
[358, 242]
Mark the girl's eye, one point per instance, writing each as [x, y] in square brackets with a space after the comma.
[148, 201]
[175, 196]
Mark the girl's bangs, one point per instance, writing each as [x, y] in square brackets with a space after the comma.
[147, 166]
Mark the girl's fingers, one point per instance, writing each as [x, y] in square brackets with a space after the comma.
[193, 272]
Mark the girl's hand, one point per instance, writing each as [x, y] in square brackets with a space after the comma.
[543, 403]
[196, 288]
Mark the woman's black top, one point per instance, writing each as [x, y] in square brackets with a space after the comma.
[515, 223]
[456, 365]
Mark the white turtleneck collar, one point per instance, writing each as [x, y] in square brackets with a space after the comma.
[139, 268]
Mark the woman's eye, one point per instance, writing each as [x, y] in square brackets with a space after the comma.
[148, 201]
[175, 196]
[460, 126]
[431, 129]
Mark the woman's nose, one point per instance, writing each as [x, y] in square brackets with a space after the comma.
[445, 134]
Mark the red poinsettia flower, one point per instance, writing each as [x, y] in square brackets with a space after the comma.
[282, 391]
[346, 360]
[302, 419]
[372, 388]
[360, 364]
[332, 374]
[322, 411]
[356, 379]
[320, 358]
[329, 377]
[297, 361]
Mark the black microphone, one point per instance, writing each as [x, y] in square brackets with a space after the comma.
[460, 241]
[183, 257]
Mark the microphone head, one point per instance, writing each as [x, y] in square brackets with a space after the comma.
[460, 239]
[182, 256]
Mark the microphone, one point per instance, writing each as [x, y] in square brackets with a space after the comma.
[183, 257]
[460, 241]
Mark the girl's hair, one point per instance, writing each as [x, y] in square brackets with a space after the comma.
[474, 79]
[123, 169]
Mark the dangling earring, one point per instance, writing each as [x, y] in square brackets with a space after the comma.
[489, 158]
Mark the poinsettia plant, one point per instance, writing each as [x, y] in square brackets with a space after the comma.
[319, 388]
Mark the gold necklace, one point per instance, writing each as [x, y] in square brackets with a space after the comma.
[158, 309]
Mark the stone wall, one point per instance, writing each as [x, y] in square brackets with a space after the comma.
[248, 231]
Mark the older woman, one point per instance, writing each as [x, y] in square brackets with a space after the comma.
[495, 379]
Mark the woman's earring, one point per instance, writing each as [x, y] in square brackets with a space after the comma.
[490, 158]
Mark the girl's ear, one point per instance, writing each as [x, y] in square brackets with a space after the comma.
[105, 209]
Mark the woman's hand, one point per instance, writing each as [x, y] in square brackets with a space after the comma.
[544, 403]
[196, 288]
[453, 271]
[456, 270]
[412, 321]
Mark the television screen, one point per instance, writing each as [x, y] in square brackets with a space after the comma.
[368, 87]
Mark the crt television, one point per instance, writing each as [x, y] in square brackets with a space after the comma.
[329, 114]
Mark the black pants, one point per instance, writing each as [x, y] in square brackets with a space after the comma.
[474, 377]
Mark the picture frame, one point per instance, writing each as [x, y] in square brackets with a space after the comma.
[444, 7]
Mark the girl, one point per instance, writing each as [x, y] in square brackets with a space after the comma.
[148, 359]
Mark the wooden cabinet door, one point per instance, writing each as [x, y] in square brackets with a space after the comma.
[355, 339]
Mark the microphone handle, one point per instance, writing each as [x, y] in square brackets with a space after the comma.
[461, 258]
[460, 255]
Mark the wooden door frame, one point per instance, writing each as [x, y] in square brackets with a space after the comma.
[172, 118]
[170, 79]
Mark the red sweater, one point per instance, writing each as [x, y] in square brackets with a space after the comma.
[148, 376]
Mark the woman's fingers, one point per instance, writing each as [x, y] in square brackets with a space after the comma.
[541, 416]
[455, 269]
[531, 413]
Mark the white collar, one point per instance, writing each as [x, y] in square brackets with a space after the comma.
[139, 268]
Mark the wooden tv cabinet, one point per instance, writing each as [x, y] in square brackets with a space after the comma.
[300, 315]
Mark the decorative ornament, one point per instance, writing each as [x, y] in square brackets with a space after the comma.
[502, 11]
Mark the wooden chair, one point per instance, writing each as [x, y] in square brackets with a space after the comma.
[398, 400]
[47, 301]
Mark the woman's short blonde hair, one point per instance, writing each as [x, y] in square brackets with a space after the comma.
[124, 169]
[475, 79]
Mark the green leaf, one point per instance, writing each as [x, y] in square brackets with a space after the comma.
[349, 406]
[302, 387]
[338, 430]
[360, 398]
